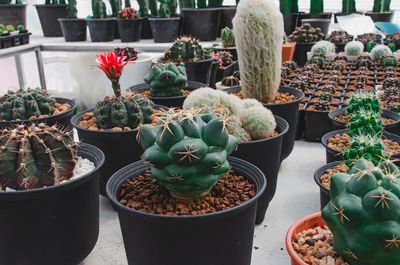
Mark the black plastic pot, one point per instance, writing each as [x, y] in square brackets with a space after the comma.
[48, 15]
[391, 128]
[231, 50]
[265, 154]
[73, 29]
[129, 29]
[56, 225]
[226, 236]
[381, 17]
[324, 193]
[146, 29]
[13, 15]
[228, 12]
[316, 124]
[334, 155]
[300, 53]
[199, 71]
[165, 29]
[120, 148]
[217, 73]
[290, 22]
[171, 102]
[314, 16]
[201, 23]
[322, 23]
[300, 125]
[101, 30]
[61, 119]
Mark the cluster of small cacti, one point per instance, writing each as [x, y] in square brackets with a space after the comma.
[363, 213]
[129, 52]
[258, 28]
[24, 104]
[35, 156]
[248, 118]
[379, 51]
[128, 13]
[318, 59]
[322, 106]
[224, 58]
[306, 34]
[340, 37]
[301, 83]
[330, 88]
[325, 97]
[339, 66]
[227, 38]
[367, 37]
[312, 67]
[292, 65]
[185, 49]
[188, 151]
[230, 81]
[99, 9]
[391, 83]
[354, 48]
[323, 47]
[6, 30]
[364, 61]
[389, 60]
[166, 80]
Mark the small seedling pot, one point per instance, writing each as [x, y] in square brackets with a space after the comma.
[226, 236]
[165, 29]
[73, 29]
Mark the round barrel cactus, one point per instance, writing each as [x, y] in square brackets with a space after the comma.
[354, 48]
[379, 51]
[230, 81]
[188, 151]
[364, 213]
[24, 104]
[167, 80]
[185, 49]
[35, 156]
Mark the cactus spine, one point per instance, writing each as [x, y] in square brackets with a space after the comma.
[258, 29]
[185, 49]
[99, 9]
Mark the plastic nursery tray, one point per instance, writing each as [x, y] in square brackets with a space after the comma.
[14, 40]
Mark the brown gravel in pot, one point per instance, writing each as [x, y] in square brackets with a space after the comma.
[315, 247]
[147, 93]
[146, 194]
[337, 93]
[333, 101]
[346, 119]
[301, 106]
[326, 177]
[341, 82]
[338, 87]
[311, 107]
[280, 97]
[370, 82]
[366, 87]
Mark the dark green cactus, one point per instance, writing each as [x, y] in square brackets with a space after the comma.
[348, 6]
[143, 8]
[227, 37]
[116, 6]
[185, 49]
[325, 97]
[381, 6]
[292, 65]
[36, 156]
[128, 110]
[99, 9]
[164, 10]
[187, 3]
[72, 11]
[317, 6]
[127, 3]
[370, 45]
[188, 151]
[236, 74]
[167, 80]
[389, 60]
[364, 213]
[288, 6]
[25, 104]
[317, 59]
[230, 81]
[153, 7]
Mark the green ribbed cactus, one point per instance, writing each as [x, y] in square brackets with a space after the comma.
[227, 37]
[354, 48]
[36, 156]
[258, 29]
[25, 104]
[364, 213]
[72, 11]
[167, 80]
[188, 151]
[316, 6]
[99, 9]
[230, 81]
[185, 49]
[288, 6]
[381, 6]
[348, 6]
[389, 60]
[116, 6]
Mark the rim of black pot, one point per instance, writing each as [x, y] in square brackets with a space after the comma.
[71, 19]
[192, 85]
[385, 114]
[53, 6]
[101, 19]
[117, 181]
[163, 18]
[207, 56]
[328, 135]
[78, 117]
[38, 120]
[13, 5]
[319, 172]
[128, 19]
[83, 148]
[205, 9]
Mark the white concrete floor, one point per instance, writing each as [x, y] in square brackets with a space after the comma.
[297, 195]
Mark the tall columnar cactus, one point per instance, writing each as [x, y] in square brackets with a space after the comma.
[187, 3]
[188, 151]
[227, 37]
[364, 213]
[258, 28]
[36, 156]
[348, 6]
[72, 11]
[164, 10]
[116, 6]
[288, 6]
[185, 49]
[381, 6]
[143, 8]
[127, 3]
[167, 80]
[389, 60]
[317, 6]
[99, 9]
[25, 104]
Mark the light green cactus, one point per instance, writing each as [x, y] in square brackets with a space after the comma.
[379, 51]
[227, 37]
[323, 47]
[354, 48]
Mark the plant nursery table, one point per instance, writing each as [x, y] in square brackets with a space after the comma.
[297, 195]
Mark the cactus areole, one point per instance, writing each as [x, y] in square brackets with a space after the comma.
[258, 30]
[188, 151]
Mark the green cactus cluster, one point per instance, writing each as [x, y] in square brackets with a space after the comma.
[318, 59]
[323, 47]
[306, 34]
[354, 48]
[127, 110]
[25, 104]
[227, 37]
[188, 151]
[185, 49]
[230, 81]
[292, 65]
[35, 156]
[99, 9]
[389, 60]
[167, 80]
[363, 61]
[364, 213]
[379, 51]
[325, 97]
[339, 66]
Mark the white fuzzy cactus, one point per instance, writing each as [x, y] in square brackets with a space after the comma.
[354, 48]
[258, 29]
[379, 51]
[323, 47]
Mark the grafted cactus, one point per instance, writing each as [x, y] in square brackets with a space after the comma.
[227, 37]
[185, 49]
[188, 151]
[25, 104]
[167, 80]
[258, 28]
[364, 213]
[35, 156]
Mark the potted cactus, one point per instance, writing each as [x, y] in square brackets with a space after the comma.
[129, 24]
[381, 11]
[165, 27]
[101, 28]
[39, 194]
[48, 15]
[317, 17]
[147, 8]
[340, 38]
[353, 49]
[116, 6]
[380, 51]
[224, 65]
[186, 157]
[187, 50]
[323, 48]
[288, 49]
[290, 13]
[12, 13]
[112, 124]
[228, 43]
[348, 7]
[228, 82]
[167, 85]
[73, 28]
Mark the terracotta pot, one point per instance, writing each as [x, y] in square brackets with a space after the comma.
[305, 223]
[288, 51]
